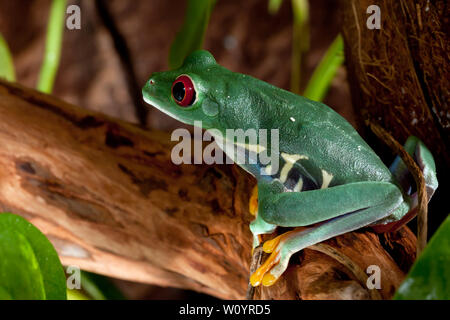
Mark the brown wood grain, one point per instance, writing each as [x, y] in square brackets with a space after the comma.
[107, 195]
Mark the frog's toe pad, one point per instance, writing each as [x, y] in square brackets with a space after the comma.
[271, 270]
[253, 203]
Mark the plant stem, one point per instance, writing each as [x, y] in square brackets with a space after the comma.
[300, 41]
[324, 73]
[53, 44]
[274, 6]
[6, 62]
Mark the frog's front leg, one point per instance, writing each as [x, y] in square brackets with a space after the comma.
[340, 209]
[258, 226]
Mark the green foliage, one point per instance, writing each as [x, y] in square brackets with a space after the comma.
[429, 278]
[192, 33]
[4, 295]
[191, 36]
[6, 63]
[320, 81]
[99, 287]
[21, 276]
[75, 294]
[29, 265]
[300, 41]
[324, 73]
[300, 37]
[55, 29]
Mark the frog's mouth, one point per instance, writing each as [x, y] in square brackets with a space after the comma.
[155, 102]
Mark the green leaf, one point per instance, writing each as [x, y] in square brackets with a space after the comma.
[192, 33]
[324, 73]
[6, 63]
[429, 277]
[29, 260]
[4, 295]
[20, 274]
[55, 30]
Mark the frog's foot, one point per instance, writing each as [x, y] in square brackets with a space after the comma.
[271, 270]
[425, 161]
[327, 213]
[259, 227]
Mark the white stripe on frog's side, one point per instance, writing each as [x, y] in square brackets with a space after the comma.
[326, 179]
[290, 159]
[293, 158]
[229, 147]
[221, 141]
[268, 170]
[298, 187]
[251, 147]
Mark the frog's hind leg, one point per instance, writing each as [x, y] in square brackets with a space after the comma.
[363, 203]
[284, 246]
[424, 159]
[422, 156]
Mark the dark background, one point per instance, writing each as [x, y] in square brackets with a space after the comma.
[104, 65]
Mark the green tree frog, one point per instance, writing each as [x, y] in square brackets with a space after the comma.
[329, 181]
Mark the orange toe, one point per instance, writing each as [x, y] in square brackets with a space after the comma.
[253, 204]
[268, 280]
[258, 275]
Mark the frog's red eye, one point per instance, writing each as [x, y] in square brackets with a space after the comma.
[183, 91]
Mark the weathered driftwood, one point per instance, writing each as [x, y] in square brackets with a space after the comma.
[107, 195]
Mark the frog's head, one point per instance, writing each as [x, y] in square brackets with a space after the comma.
[202, 90]
[183, 93]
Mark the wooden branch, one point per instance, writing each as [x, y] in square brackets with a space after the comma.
[107, 195]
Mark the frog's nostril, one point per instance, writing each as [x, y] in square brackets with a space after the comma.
[151, 82]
